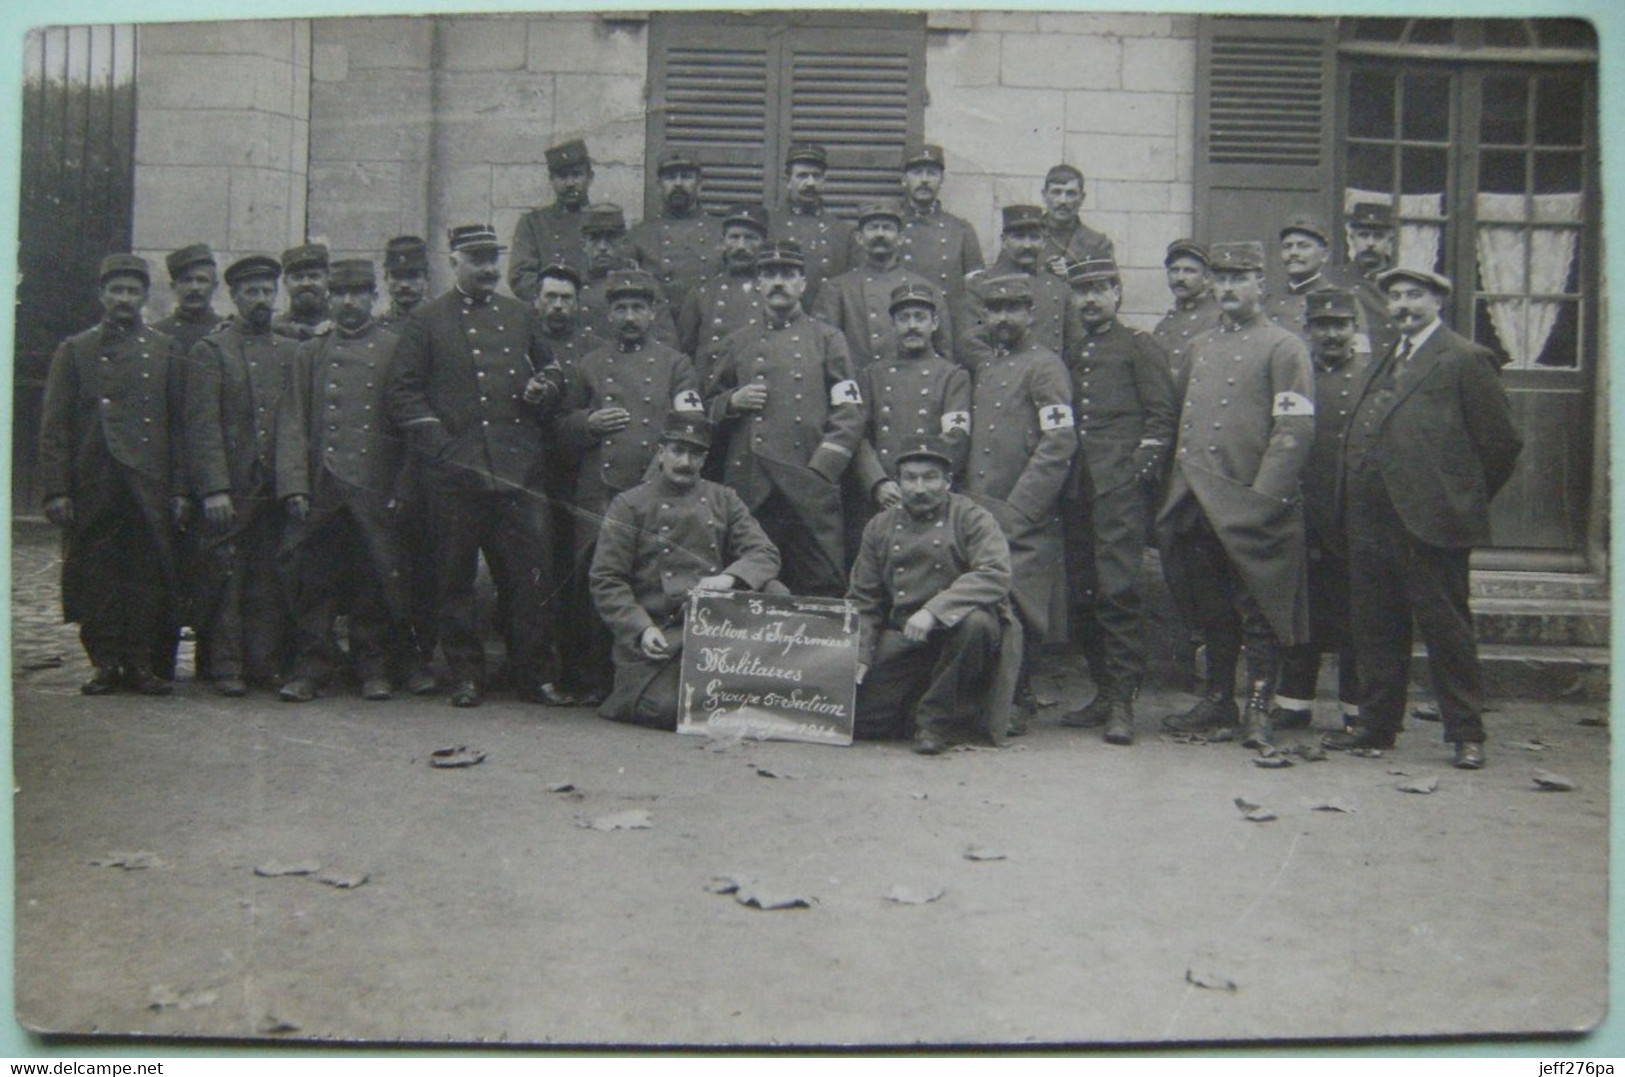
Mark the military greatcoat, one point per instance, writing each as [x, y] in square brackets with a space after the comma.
[858, 303]
[941, 248]
[187, 331]
[907, 399]
[716, 307]
[825, 240]
[549, 234]
[680, 251]
[1055, 323]
[1189, 319]
[1021, 446]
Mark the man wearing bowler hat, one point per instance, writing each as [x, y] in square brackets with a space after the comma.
[1125, 414]
[338, 476]
[1231, 524]
[616, 400]
[661, 540]
[679, 246]
[788, 417]
[858, 302]
[932, 587]
[304, 273]
[108, 459]
[937, 245]
[1339, 372]
[803, 217]
[406, 279]
[1430, 443]
[552, 232]
[470, 388]
[234, 382]
[194, 278]
[726, 300]
[1194, 312]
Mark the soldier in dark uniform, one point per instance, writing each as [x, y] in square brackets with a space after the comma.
[233, 386]
[1430, 443]
[1231, 526]
[304, 271]
[470, 387]
[1339, 372]
[553, 232]
[108, 459]
[194, 278]
[824, 238]
[605, 247]
[1054, 322]
[789, 416]
[1021, 445]
[338, 475]
[1371, 247]
[1125, 413]
[406, 278]
[558, 304]
[1195, 311]
[932, 588]
[680, 246]
[937, 245]
[728, 300]
[661, 540]
[1066, 238]
[858, 302]
[617, 399]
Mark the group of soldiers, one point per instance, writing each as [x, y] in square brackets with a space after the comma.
[975, 455]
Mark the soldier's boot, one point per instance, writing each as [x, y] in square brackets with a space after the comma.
[1255, 722]
[1289, 717]
[1214, 713]
[1093, 714]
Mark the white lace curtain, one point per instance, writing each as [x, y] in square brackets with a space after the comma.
[1517, 257]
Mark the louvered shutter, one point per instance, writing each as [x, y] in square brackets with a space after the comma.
[1264, 123]
[735, 90]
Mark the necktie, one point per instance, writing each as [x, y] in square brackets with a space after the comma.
[1390, 378]
[1404, 352]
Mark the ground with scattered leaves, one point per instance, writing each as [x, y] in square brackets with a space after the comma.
[586, 882]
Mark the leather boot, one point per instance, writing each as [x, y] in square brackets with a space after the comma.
[1212, 713]
[1093, 714]
[1255, 722]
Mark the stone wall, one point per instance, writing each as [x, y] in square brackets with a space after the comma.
[419, 124]
[1012, 93]
[222, 135]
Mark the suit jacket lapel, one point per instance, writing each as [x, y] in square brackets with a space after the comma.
[1422, 362]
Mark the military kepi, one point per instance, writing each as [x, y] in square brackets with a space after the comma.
[630, 284]
[1090, 270]
[125, 265]
[1005, 288]
[1185, 248]
[603, 218]
[1331, 303]
[473, 237]
[913, 292]
[749, 214]
[1016, 217]
[1371, 216]
[571, 154]
[1237, 257]
[251, 266]
[178, 262]
[930, 447]
[925, 155]
[406, 253]
[351, 274]
[308, 256]
[1309, 227]
[784, 252]
[691, 428]
[807, 153]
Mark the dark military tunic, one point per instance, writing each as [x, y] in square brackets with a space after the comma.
[825, 240]
[790, 455]
[1288, 310]
[233, 388]
[456, 390]
[109, 440]
[334, 445]
[549, 234]
[593, 309]
[1055, 323]
[187, 330]
[680, 251]
[657, 542]
[858, 303]
[1189, 319]
[1245, 431]
[1021, 446]
[906, 400]
[1079, 243]
[941, 248]
[718, 306]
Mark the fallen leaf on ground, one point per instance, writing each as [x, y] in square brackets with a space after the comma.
[1210, 980]
[1271, 762]
[919, 796]
[138, 861]
[749, 892]
[271, 1025]
[460, 756]
[1420, 785]
[914, 895]
[1335, 805]
[636, 819]
[1398, 772]
[273, 868]
[1426, 713]
[1593, 719]
[1366, 753]
[1553, 783]
[561, 787]
[1259, 815]
[771, 772]
[1245, 805]
[166, 998]
[982, 852]
[343, 880]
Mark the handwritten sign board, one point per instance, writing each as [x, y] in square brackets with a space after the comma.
[773, 667]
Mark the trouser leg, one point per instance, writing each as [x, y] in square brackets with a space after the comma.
[805, 566]
[959, 675]
[1119, 538]
[458, 521]
[520, 554]
[1437, 581]
[899, 673]
[1379, 604]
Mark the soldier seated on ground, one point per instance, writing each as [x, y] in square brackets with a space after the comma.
[932, 587]
[660, 540]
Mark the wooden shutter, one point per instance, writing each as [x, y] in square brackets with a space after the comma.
[735, 90]
[1264, 123]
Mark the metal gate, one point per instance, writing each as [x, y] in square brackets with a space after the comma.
[78, 168]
